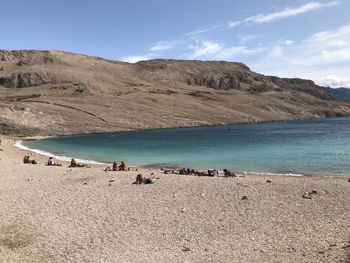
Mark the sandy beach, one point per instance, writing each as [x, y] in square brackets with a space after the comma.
[60, 214]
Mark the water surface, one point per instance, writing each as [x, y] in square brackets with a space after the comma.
[309, 147]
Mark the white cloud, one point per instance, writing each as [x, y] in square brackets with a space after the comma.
[203, 30]
[206, 48]
[289, 42]
[265, 18]
[333, 81]
[289, 12]
[231, 52]
[245, 39]
[134, 59]
[325, 53]
[217, 51]
[232, 24]
[327, 47]
[161, 46]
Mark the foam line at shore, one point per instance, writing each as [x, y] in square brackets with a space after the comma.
[278, 174]
[19, 145]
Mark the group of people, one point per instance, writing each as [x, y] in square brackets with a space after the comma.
[27, 160]
[52, 162]
[117, 167]
[210, 172]
[139, 178]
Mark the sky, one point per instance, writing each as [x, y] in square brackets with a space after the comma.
[299, 38]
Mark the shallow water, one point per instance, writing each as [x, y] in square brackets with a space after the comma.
[308, 147]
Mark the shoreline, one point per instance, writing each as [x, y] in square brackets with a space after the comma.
[67, 159]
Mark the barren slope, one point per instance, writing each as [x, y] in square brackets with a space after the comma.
[56, 92]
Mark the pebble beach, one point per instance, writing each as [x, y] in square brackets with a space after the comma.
[61, 214]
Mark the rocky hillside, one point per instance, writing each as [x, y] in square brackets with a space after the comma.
[56, 92]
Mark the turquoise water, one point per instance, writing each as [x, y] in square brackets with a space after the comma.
[289, 147]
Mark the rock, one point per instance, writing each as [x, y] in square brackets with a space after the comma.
[349, 180]
[314, 192]
[186, 249]
[268, 181]
[244, 197]
[306, 195]
[111, 181]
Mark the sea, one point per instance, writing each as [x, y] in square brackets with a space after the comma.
[302, 147]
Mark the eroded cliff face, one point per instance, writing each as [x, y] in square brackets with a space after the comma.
[56, 92]
[223, 75]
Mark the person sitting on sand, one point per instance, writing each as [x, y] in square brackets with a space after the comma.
[229, 174]
[121, 166]
[73, 164]
[51, 162]
[27, 160]
[114, 167]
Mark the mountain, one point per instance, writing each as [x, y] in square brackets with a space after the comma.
[57, 92]
[338, 93]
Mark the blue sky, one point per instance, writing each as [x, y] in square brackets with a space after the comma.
[300, 38]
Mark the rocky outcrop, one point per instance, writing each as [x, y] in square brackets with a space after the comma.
[223, 82]
[25, 55]
[27, 79]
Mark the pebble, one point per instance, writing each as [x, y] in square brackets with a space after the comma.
[314, 192]
[268, 181]
[186, 249]
[306, 195]
[244, 197]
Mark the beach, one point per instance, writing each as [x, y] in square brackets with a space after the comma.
[61, 214]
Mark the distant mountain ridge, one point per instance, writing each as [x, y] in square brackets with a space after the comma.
[338, 93]
[57, 92]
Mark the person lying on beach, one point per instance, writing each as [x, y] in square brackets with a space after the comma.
[51, 162]
[229, 174]
[144, 180]
[213, 172]
[73, 164]
[27, 160]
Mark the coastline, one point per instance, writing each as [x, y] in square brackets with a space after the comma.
[67, 159]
